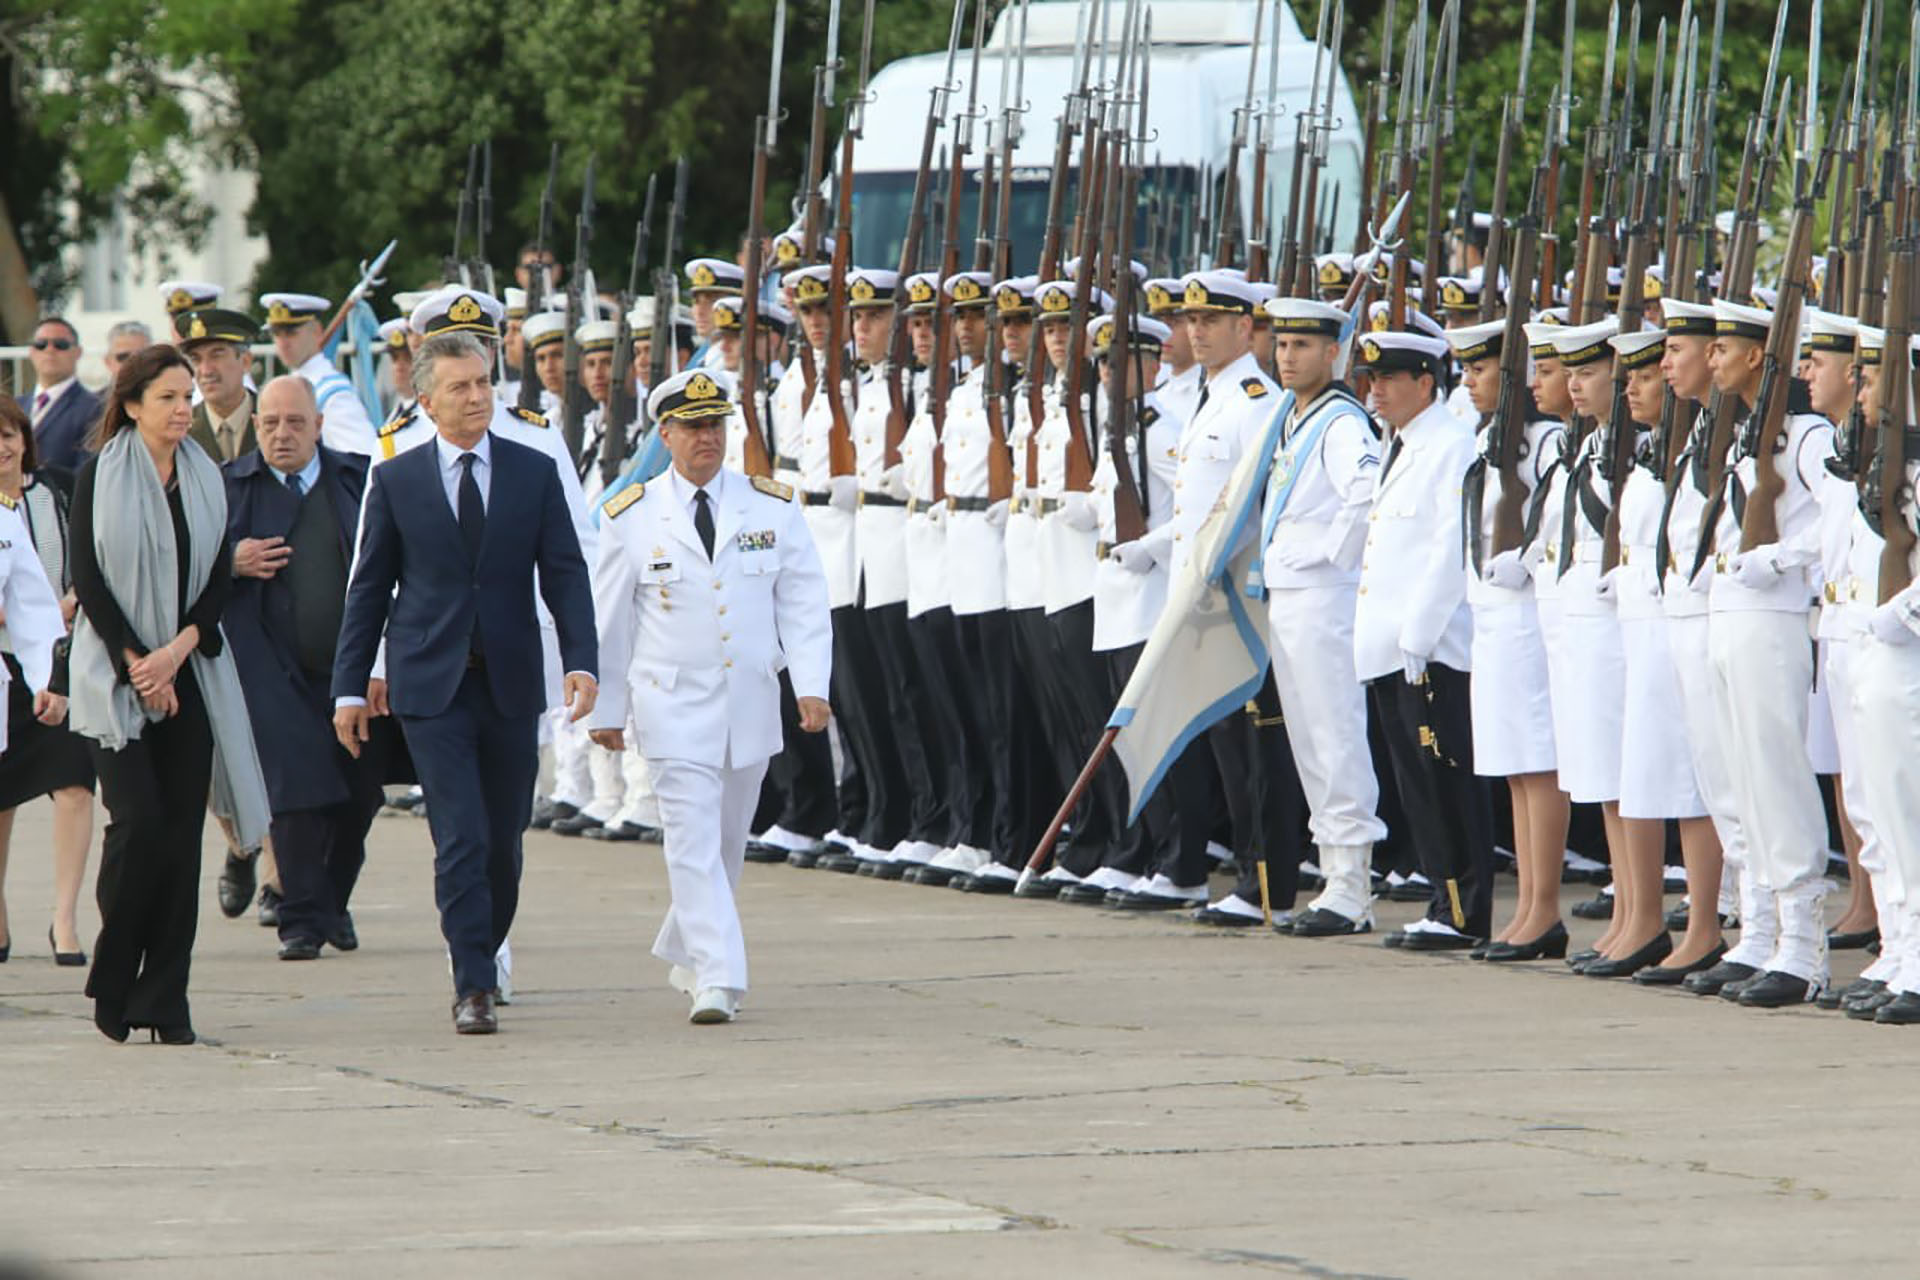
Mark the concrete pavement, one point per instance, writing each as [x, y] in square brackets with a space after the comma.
[926, 1083]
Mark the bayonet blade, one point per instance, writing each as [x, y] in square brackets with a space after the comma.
[1773, 58]
[1526, 56]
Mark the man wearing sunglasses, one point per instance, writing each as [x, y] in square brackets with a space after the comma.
[61, 409]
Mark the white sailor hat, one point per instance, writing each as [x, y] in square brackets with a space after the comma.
[1383, 269]
[1765, 298]
[543, 327]
[393, 335]
[1540, 336]
[188, 295]
[713, 275]
[692, 396]
[1217, 291]
[1163, 295]
[730, 316]
[1396, 351]
[1827, 331]
[789, 249]
[1637, 349]
[1263, 293]
[969, 289]
[1305, 315]
[871, 287]
[1072, 269]
[1654, 285]
[407, 300]
[1869, 342]
[1471, 342]
[1379, 317]
[809, 285]
[293, 308]
[773, 315]
[1578, 344]
[1333, 272]
[1013, 298]
[1731, 320]
[515, 299]
[1055, 299]
[596, 335]
[639, 319]
[923, 290]
[1148, 335]
[1687, 319]
[458, 309]
[1479, 220]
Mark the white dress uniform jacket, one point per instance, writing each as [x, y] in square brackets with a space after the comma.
[1126, 605]
[976, 556]
[1239, 401]
[880, 525]
[694, 647]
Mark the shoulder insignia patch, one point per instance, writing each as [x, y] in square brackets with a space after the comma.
[395, 424]
[8, 502]
[1147, 416]
[773, 488]
[530, 416]
[622, 500]
[1254, 388]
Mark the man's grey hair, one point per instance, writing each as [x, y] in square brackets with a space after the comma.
[297, 384]
[442, 346]
[129, 329]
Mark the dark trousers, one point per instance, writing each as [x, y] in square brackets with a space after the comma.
[1135, 846]
[1061, 741]
[1279, 809]
[1083, 682]
[957, 758]
[320, 852]
[908, 711]
[155, 791]
[1429, 729]
[986, 704]
[477, 768]
[798, 792]
[860, 707]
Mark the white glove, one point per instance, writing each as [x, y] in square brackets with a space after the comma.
[997, 514]
[1889, 626]
[1507, 571]
[1605, 588]
[843, 492]
[893, 481]
[1297, 555]
[1133, 557]
[1413, 666]
[1078, 511]
[937, 513]
[1756, 570]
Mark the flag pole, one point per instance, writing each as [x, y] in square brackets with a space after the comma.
[1079, 790]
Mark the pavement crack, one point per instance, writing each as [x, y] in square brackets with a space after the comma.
[1288, 1263]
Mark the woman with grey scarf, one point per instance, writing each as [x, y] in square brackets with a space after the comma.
[153, 690]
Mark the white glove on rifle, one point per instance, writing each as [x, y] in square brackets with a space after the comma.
[997, 514]
[843, 492]
[1507, 570]
[1133, 557]
[1757, 570]
[1413, 666]
[1888, 624]
[1078, 511]
[893, 481]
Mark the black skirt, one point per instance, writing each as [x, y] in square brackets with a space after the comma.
[39, 759]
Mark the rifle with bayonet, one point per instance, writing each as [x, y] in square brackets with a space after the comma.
[1559, 116]
[1259, 246]
[663, 349]
[1512, 114]
[480, 270]
[582, 305]
[1407, 162]
[1670, 436]
[1372, 198]
[622, 402]
[1296, 273]
[1079, 460]
[1508, 429]
[758, 446]
[996, 260]
[539, 283]
[1438, 135]
[1887, 504]
[1129, 500]
[1229, 210]
[841, 460]
[899, 348]
[946, 356]
[456, 266]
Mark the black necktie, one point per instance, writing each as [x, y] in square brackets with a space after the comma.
[703, 520]
[1201, 403]
[473, 513]
[1393, 456]
[293, 483]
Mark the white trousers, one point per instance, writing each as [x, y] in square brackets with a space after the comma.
[572, 778]
[1712, 767]
[1310, 630]
[1762, 667]
[705, 810]
[637, 804]
[609, 789]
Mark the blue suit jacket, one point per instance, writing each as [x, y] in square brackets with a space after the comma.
[60, 439]
[410, 539]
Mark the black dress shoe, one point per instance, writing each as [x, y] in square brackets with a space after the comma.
[892, 869]
[623, 833]
[1708, 982]
[237, 884]
[1322, 922]
[1225, 919]
[1659, 975]
[473, 1015]
[343, 936]
[171, 1035]
[761, 851]
[1774, 990]
[993, 886]
[1598, 907]
[1731, 991]
[1121, 900]
[1626, 966]
[65, 959]
[548, 811]
[1860, 989]
[1676, 920]
[578, 824]
[269, 914]
[846, 862]
[1856, 941]
[1425, 941]
[1410, 891]
[1083, 895]
[1901, 1011]
[1581, 959]
[300, 949]
[1394, 938]
[1040, 887]
[805, 859]
[1551, 945]
[1834, 997]
[1867, 1008]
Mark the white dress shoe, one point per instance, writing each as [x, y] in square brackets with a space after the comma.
[713, 1004]
[680, 978]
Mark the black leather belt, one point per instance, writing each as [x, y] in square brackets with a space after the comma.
[969, 504]
[815, 499]
[782, 462]
[1101, 550]
[1047, 506]
[880, 500]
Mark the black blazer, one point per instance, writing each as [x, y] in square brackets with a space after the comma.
[60, 438]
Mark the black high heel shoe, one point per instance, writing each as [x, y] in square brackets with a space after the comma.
[1660, 975]
[112, 1028]
[66, 959]
[171, 1035]
[1551, 945]
[1626, 966]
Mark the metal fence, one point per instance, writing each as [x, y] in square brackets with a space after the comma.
[16, 374]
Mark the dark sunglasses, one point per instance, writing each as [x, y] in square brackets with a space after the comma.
[58, 344]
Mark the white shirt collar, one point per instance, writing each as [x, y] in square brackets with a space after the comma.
[55, 391]
[450, 453]
[684, 489]
[309, 474]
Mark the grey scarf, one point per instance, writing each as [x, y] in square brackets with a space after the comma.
[133, 540]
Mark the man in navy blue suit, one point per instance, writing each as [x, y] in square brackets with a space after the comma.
[62, 411]
[451, 535]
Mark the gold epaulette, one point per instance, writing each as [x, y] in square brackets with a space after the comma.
[622, 500]
[398, 421]
[530, 416]
[1254, 388]
[773, 488]
[9, 503]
